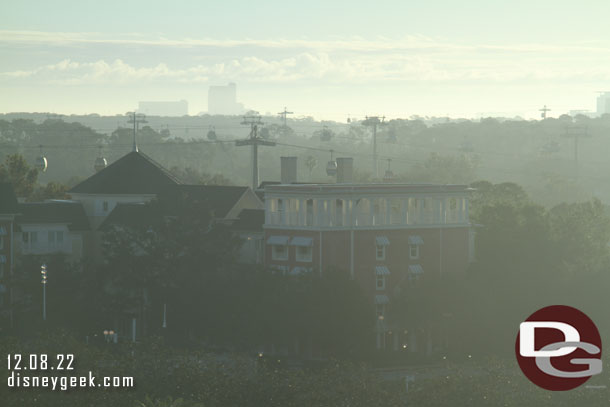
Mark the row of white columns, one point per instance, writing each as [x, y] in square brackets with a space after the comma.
[340, 212]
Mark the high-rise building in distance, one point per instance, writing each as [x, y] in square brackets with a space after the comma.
[603, 103]
[223, 100]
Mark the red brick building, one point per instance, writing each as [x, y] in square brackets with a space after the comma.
[383, 234]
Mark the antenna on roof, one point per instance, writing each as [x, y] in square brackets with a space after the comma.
[136, 118]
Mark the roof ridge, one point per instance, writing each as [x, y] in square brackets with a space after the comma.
[159, 166]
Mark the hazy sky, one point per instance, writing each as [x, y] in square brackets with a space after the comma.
[397, 58]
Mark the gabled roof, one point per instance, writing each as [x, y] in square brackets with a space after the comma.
[62, 212]
[218, 198]
[134, 173]
[8, 199]
[250, 219]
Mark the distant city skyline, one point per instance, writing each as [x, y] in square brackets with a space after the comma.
[332, 62]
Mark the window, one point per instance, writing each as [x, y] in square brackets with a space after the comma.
[380, 252]
[1, 271]
[396, 216]
[380, 310]
[304, 253]
[30, 239]
[56, 238]
[105, 206]
[309, 212]
[339, 212]
[415, 270]
[279, 252]
[452, 203]
[414, 242]
[1, 242]
[414, 251]
[377, 214]
[380, 282]
[280, 211]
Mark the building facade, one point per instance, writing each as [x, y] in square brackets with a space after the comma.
[53, 227]
[382, 234]
[603, 103]
[223, 100]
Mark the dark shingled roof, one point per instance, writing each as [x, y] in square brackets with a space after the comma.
[71, 213]
[130, 214]
[134, 173]
[219, 198]
[8, 200]
[175, 200]
[250, 219]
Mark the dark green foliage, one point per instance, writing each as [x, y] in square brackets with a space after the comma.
[438, 169]
[430, 150]
[187, 263]
[527, 257]
[17, 172]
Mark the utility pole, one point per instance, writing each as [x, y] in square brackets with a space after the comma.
[374, 121]
[136, 119]
[284, 114]
[576, 132]
[544, 110]
[254, 140]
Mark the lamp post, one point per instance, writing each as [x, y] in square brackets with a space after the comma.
[381, 329]
[43, 273]
[109, 335]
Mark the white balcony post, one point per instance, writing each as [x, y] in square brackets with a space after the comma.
[388, 211]
[348, 212]
[268, 211]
